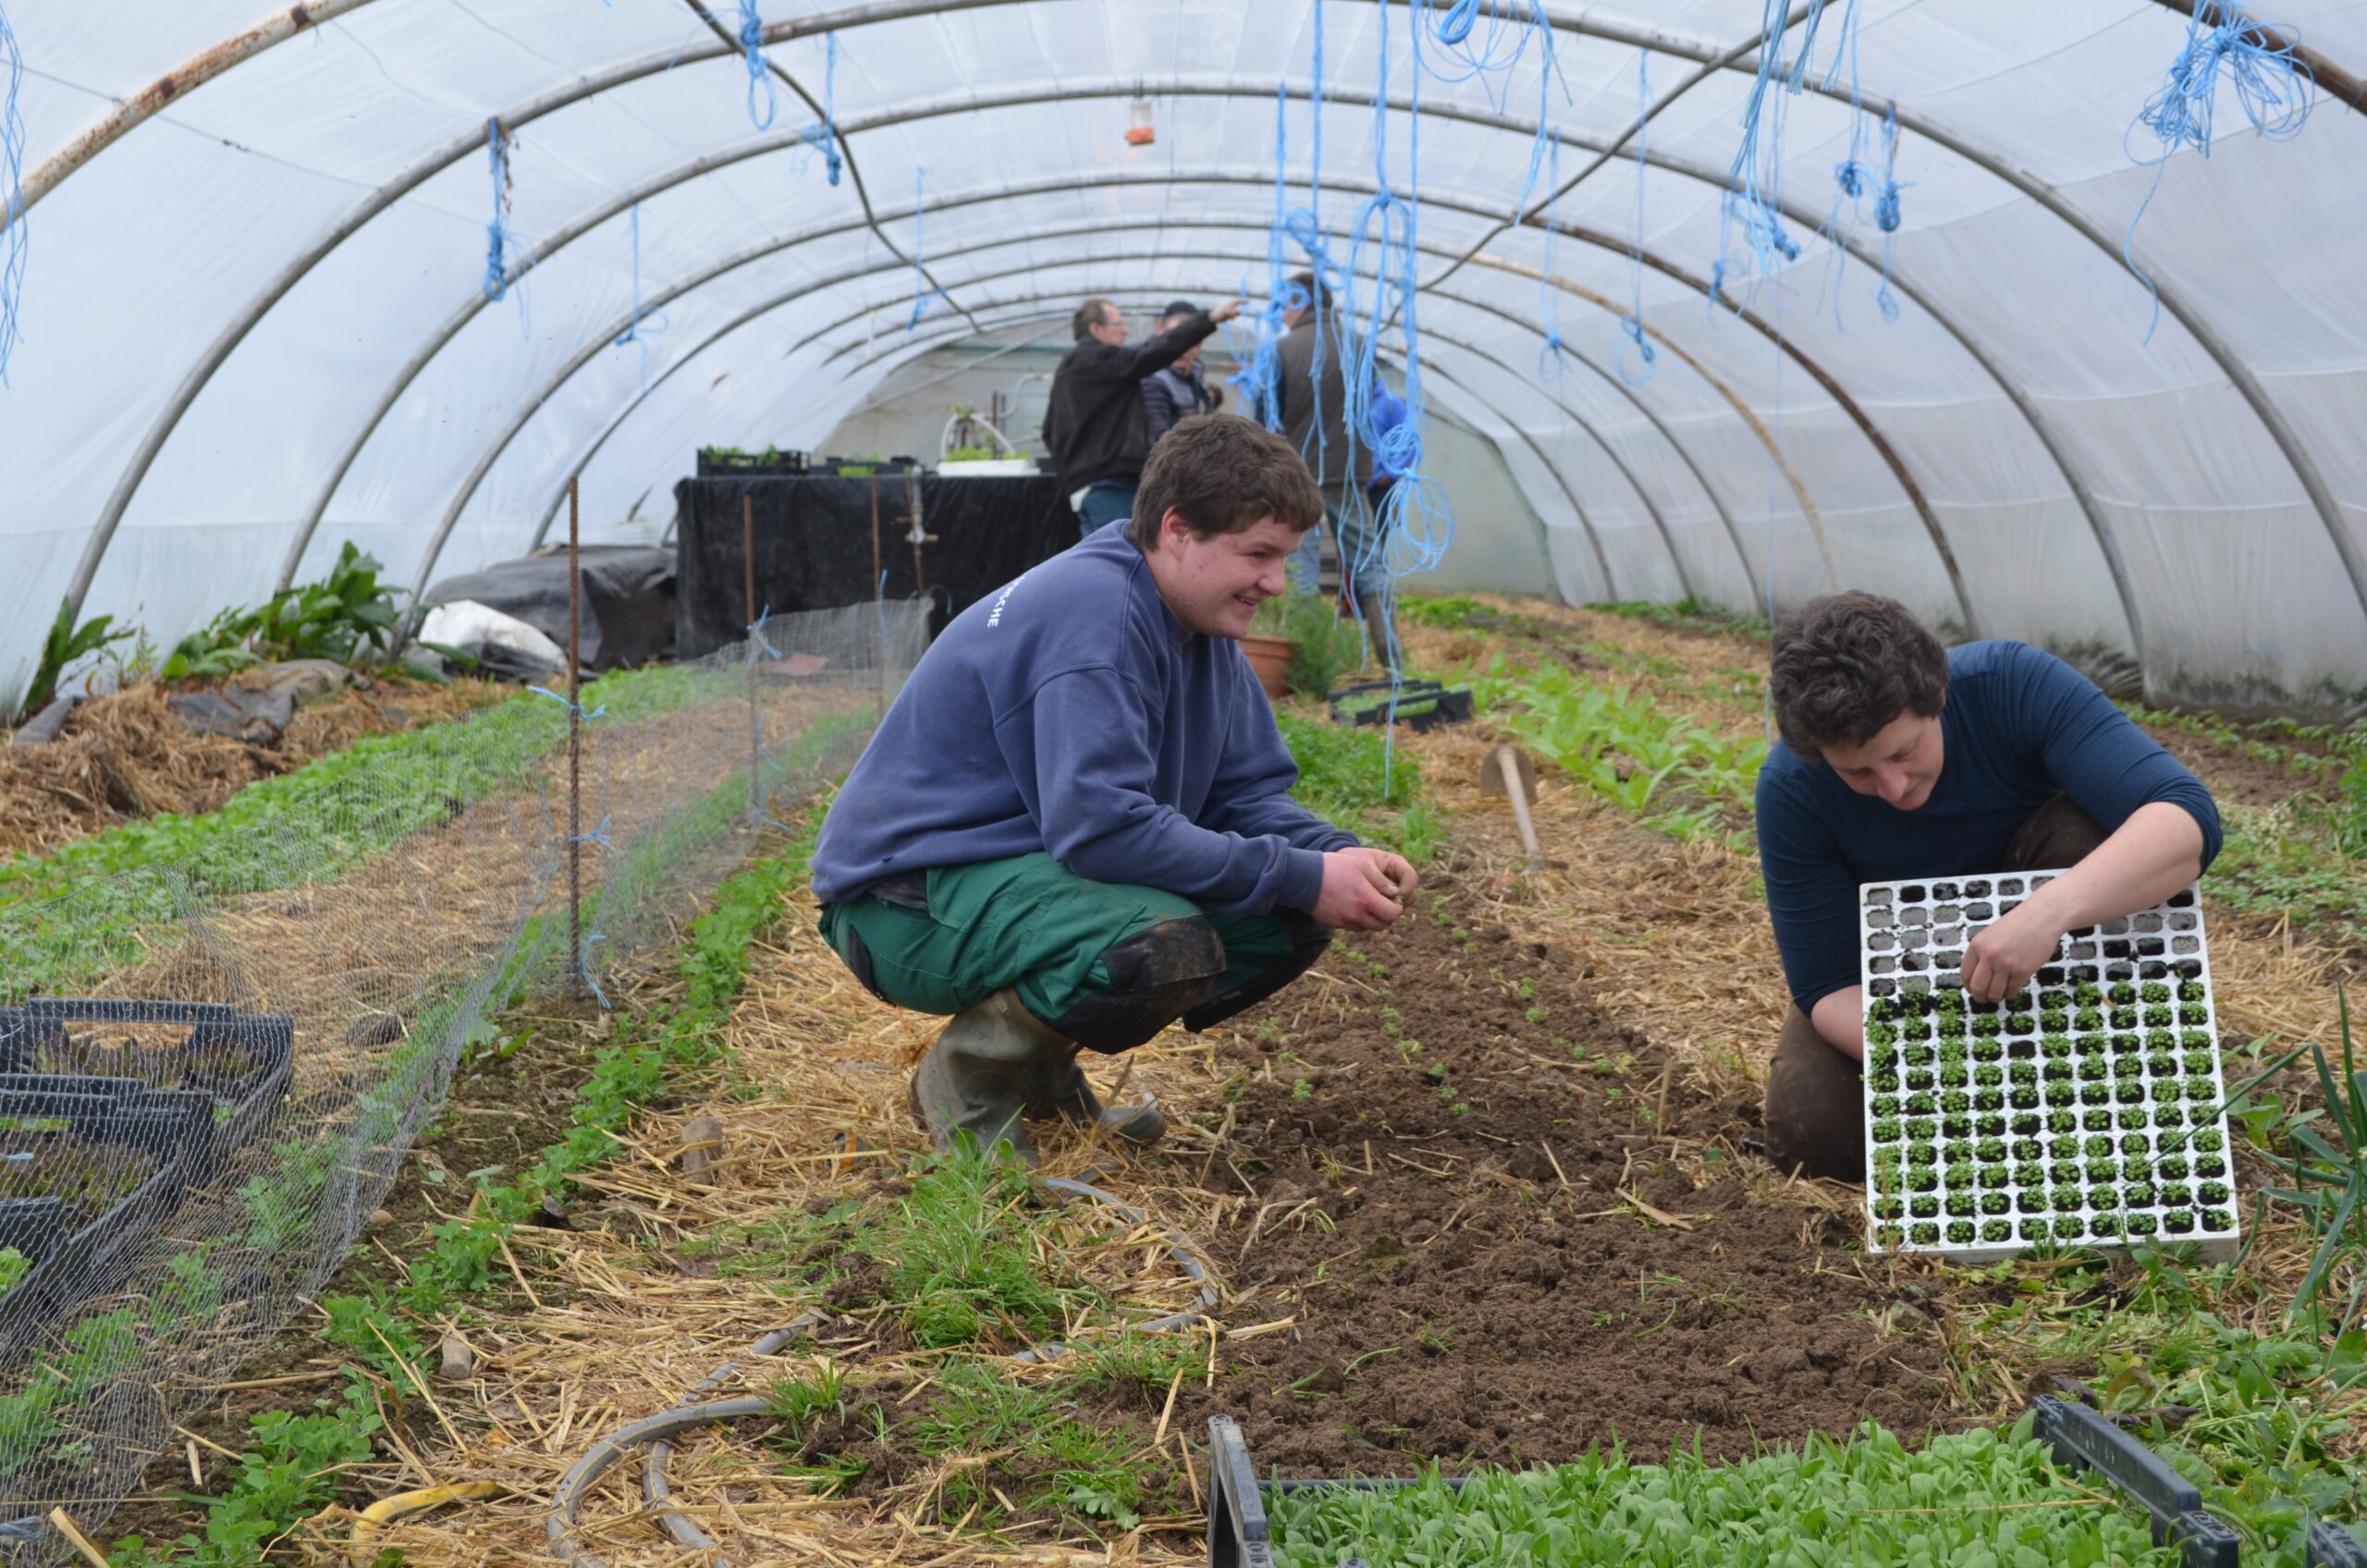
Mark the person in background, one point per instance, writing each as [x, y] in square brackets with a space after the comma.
[1074, 826]
[1181, 390]
[1901, 760]
[1095, 425]
[1314, 413]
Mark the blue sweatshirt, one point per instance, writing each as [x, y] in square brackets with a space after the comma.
[1070, 714]
[2020, 727]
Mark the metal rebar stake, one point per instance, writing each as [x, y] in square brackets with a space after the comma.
[755, 721]
[574, 743]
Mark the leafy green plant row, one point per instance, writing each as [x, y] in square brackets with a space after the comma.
[289, 1471]
[1619, 744]
[1984, 1497]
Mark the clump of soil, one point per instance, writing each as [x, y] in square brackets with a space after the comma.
[1468, 1193]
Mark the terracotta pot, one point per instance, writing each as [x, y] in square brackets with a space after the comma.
[1270, 658]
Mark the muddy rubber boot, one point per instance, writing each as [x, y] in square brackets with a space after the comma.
[975, 1077]
[1061, 1089]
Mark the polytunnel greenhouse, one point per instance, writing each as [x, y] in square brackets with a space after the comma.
[951, 782]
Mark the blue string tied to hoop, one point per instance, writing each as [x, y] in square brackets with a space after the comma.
[12, 210]
[641, 324]
[498, 241]
[824, 138]
[752, 46]
[2274, 88]
[922, 289]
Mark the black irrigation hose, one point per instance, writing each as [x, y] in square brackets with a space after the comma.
[656, 1431]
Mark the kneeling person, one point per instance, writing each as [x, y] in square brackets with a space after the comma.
[1075, 826]
[1902, 761]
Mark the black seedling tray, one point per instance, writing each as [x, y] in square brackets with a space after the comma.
[1422, 706]
[246, 1101]
[1239, 1536]
[71, 1264]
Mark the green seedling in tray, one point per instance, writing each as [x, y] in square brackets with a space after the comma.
[2088, 1109]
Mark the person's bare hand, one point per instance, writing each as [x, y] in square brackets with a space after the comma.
[2000, 960]
[1225, 312]
[1396, 869]
[1359, 891]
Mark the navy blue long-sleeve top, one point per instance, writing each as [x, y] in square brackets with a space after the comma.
[2020, 727]
[1071, 713]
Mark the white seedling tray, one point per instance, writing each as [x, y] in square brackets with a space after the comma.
[2130, 1166]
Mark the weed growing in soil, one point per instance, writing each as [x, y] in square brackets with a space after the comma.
[1970, 1497]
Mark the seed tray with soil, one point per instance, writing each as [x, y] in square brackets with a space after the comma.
[242, 1062]
[85, 1180]
[2088, 1108]
[1506, 1229]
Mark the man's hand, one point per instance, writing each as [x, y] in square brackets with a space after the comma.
[1225, 312]
[1363, 890]
[2001, 960]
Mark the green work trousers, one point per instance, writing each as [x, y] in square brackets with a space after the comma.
[1106, 964]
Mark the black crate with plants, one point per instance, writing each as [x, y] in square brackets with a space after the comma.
[85, 1180]
[239, 1062]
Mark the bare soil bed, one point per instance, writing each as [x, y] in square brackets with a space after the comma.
[1508, 1230]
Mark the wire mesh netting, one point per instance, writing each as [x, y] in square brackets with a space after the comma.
[211, 1069]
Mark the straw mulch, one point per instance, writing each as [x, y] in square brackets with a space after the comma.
[611, 1322]
[127, 756]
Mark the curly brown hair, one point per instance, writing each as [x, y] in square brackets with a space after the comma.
[1847, 665]
[1223, 473]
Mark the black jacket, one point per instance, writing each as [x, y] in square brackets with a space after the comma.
[1328, 458]
[1176, 393]
[1095, 425]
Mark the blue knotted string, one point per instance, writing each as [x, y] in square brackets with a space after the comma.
[635, 332]
[584, 966]
[2274, 90]
[751, 45]
[824, 138]
[554, 696]
[597, 836]
[922, 289]
[498, 241]
[1631, 325]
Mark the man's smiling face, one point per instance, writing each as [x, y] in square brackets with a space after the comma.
[1901, 764]
[1213, 585]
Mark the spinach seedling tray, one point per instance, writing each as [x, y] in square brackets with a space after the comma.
[241, 1062]
[1420, 706]
[73, 1261]
[1239, 1534]
[2088, 1108]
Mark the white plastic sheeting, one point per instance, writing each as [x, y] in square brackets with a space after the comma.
[254, 325]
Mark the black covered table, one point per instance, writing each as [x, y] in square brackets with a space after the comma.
[816, 544]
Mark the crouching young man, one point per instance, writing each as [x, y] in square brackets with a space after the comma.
[1899, 760]
[1074, 826]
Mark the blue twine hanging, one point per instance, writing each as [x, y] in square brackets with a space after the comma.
[1631, 326]
[1752, 203]
[824, 138]
[12, 212]
[642, 322]
[498, 241]
[751, 45]
[922, 289]
[2274, 89]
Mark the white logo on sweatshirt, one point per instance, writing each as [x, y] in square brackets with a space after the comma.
[994, 615]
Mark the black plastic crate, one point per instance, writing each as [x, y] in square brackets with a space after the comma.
[77, 1251]
[1421, 705]
[241, 1062]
